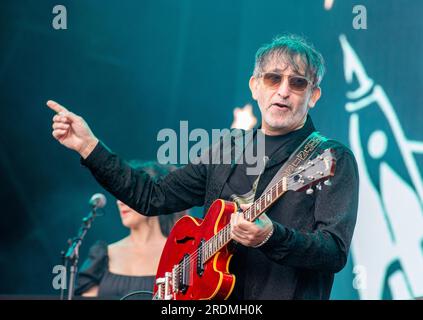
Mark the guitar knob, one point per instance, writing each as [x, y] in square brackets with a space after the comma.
[309, 191]
[319, 186]
[327, 182]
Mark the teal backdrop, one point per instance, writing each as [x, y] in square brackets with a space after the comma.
[132, 68]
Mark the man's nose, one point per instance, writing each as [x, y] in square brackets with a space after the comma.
[283, 89]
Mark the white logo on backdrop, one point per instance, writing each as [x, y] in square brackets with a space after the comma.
[388, 239]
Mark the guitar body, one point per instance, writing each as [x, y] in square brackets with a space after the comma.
[213, 281]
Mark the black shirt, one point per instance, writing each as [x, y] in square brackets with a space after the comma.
[95, 272]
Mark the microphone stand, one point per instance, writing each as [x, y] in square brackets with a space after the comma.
[72, 255]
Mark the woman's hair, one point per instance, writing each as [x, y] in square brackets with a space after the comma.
[158, 171]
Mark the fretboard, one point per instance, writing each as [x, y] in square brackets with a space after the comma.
[223, 236]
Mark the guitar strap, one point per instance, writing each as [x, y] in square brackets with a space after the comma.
[298, 158]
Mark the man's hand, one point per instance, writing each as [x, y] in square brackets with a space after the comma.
[248, 233]
[71, 130]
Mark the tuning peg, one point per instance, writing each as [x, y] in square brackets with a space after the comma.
[309, 191]
[319, 186]
[327, 182]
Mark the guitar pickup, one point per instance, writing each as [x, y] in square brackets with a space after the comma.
[200, 265]
[185, 270]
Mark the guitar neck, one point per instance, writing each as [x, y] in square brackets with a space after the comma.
[264, 202]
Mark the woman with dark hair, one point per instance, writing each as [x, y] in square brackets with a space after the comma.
[130, 264]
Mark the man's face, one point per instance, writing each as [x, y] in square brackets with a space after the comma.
[282, 108]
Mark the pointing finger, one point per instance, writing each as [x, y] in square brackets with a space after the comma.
[53, 105]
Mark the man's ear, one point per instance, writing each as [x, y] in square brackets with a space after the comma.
[253, 87]
[315, 96]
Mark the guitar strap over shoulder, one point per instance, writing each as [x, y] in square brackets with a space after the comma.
[299, 157]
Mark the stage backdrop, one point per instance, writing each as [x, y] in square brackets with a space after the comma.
[132, 68]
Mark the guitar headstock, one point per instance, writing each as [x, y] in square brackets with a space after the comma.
[319, 169]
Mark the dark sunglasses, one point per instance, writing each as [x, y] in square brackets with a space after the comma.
[273, 80]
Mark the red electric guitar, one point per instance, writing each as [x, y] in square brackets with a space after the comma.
[194, 264]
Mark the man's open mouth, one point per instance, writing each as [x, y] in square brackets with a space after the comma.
[281, 105]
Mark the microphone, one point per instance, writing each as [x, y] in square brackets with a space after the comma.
[98, 201]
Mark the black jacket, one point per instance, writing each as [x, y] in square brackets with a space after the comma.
[312, 232]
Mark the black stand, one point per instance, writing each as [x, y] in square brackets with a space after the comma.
[72, 255]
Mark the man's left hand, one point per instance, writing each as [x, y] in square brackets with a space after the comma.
[248, 233]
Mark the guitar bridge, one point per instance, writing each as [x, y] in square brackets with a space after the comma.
[164, 290]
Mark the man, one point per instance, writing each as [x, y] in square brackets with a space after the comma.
[294, 249]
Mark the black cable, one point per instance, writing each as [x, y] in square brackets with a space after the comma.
[137, 292]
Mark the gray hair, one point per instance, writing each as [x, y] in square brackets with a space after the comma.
[289, 48]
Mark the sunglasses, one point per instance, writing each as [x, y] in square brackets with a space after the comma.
[273, 80]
